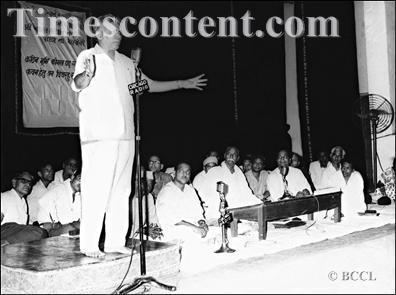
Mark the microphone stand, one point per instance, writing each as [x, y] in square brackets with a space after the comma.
[143, 278]
[222, 189]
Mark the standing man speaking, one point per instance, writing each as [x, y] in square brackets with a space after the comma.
[101, 77]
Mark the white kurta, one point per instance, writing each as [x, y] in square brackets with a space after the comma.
[258, 186]
[106, 106]
[38, 190]
[175, 205]
[295, 179]
[316, 173]
[331, 177]
[58, 177]
[239, 194]
[14, 208]
[198, 179]
[57, 205]
[107, 148]
[352, 198]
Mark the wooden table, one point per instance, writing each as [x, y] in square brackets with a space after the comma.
[262, 213]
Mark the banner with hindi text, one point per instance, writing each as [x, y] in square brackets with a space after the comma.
[47, 65]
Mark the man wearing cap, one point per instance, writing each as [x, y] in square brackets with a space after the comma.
[208, 163]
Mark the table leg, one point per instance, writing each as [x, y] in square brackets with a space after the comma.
[337, 213]
[234, 227]
[262, 223]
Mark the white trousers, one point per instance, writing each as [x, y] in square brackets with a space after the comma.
[105, 188]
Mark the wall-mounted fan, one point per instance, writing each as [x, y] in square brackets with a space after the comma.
[377, 114]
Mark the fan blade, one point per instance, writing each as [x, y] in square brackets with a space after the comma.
[378, 112]
[373, 114]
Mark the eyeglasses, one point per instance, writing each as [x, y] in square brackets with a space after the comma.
[24, 180]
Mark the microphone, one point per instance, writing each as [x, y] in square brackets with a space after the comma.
[90, 65]
[94, 65]
[140, 86]
[136, 55]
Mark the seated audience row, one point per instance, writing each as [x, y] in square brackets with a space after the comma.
[174, 204]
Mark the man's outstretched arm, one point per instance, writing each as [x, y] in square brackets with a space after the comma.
[162, 86]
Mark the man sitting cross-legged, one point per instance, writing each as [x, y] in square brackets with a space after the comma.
[333, 172]
[257, 177]
[178, 208]
[317, 168]
[149, 214]
[239, 194]
[60, 208]
[208, 164]
[352, 187]
[43, 185]
[286, 181]
[15, 213]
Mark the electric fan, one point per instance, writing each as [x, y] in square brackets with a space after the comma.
[378, 112]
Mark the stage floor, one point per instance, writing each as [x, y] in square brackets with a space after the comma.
[55, 265]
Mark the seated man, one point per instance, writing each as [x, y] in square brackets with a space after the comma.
[156, 179]
[389, 180]
[317, 168]
[296, 161]
[332, 175]
[351, 185]
[178, 208]
[257, 177]
[60, 208]
[69, 167]
[246, 163]
[239, 194]
[286, 181]
[208, 163]
[15, 215]
[213, 153]
[149, 209]
[45, 183]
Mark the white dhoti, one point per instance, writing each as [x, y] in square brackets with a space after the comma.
[105, 188]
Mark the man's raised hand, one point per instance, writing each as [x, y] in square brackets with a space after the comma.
[194, 83]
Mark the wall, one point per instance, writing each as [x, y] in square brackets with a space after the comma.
[184, 125]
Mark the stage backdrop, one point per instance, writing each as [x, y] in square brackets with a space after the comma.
[47, 66]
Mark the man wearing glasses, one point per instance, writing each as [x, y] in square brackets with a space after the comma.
[15, 213]
[156, 179]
